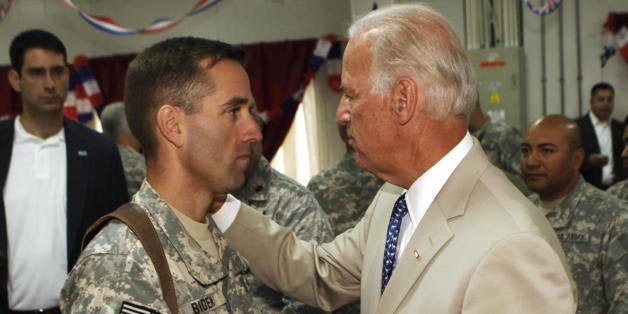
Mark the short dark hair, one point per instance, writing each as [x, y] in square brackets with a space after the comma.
[601, 85]
[170, 72]
[34, 38]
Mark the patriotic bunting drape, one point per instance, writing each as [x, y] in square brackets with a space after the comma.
[4, 8]
[615, 36]
[107, 24]
[84, 95]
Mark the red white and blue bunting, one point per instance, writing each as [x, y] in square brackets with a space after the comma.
[547, 7]
[4, 8]
[84, 95]
[107, 24]
[321, 53]
[615, 36]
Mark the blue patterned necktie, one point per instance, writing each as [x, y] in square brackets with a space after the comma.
[400, 210]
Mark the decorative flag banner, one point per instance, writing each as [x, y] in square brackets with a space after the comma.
[83, 94]
[615, 36]
[334, 67]
[321, 51]
[107, 24]
[4, 8]
[546, 8]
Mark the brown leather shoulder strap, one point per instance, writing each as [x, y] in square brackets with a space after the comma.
[137, 220]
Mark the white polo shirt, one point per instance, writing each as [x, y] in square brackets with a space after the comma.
[35, 206]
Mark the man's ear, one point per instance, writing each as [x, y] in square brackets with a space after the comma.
[14, 79]
[404, 98]
[169, 124]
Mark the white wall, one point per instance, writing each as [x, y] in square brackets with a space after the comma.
[592, 17]
[233, 21]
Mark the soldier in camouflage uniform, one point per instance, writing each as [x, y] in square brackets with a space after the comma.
[590, 223]
[620, 189]
[114, 268]
[114, 124]
[134, 168]
[189, 103]
[500, 142]
[345, 191]
[289, 204]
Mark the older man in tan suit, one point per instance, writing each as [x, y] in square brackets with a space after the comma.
[461, 238]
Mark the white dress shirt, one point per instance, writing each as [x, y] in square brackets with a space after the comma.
[424, 190]
[35, 206]
[605, 139]
[418, 198]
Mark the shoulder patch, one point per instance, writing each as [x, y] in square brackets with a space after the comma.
[132, 308]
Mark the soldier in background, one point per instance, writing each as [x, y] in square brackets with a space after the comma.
[590, 223]
[500, 142]
[620, 189]
[344, 190]
[289, 204]
[189, 103]
[114, 124]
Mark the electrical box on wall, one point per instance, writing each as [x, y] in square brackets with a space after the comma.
[501, 75]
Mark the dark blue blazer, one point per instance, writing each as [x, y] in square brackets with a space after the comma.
[591, 145]
[95, 186]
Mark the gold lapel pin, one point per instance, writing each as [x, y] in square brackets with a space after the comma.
[416, 254]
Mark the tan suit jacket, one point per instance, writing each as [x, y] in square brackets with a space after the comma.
[481, 247]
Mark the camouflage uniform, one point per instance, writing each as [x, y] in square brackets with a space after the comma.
[345, 191]
[502, 144]
[291, 205]
[591, 226]
[114, 268]
[134, 168]
[619, 189]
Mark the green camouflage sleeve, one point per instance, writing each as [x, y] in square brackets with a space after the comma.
[310, 223]
[101, 282]
[615, 264]
[620, 189]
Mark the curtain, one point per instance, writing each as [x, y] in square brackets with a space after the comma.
[110, 72]
[9, 99]
[276, 71]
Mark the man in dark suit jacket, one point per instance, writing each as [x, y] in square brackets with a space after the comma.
[57, 177]
[599, 168]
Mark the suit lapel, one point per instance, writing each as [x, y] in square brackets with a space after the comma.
[374, 255]
[6, 148]
[433, 231]
[430, 236]
[78, 161]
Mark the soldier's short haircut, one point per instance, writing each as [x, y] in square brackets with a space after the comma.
[169, 72]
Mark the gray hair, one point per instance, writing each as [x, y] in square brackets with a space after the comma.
[113, 119]
[416, 41]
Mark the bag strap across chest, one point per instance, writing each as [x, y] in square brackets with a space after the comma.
[137, 220]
